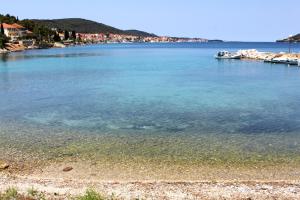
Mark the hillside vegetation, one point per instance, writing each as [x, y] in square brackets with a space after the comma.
[70, 24]
[295, 38]
[140, 33]
[87, 26]
[78, 25]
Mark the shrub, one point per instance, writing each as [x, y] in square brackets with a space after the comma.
[9, 194]
[34, 194]
[91, 195]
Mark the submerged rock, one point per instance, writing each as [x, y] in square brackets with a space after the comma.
[67, 169]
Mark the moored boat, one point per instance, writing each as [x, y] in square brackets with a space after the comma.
[227, 55]
[288, 61]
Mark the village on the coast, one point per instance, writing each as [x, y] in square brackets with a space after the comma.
[19, 38]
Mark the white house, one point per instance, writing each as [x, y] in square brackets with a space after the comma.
[15, 31]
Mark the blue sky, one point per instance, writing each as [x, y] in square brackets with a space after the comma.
[243, 20]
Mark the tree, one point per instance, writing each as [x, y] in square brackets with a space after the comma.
[42, 33]
[3, 40]
[73, 35]
[67, 35]
[79, 38]
[56, 37]
[8, 19]
[2, 29]
[28, 24]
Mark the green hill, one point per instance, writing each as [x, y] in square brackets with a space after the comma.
[295, 38]
[140, 33]
[86, 26]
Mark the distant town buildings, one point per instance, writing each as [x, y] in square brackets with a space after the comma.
[16, 31]
[118, 38]
[19, 38]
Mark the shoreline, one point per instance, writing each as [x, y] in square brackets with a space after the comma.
[106, 171]
[59, 45]
[60, 188]
[157, 182]
[46, 157]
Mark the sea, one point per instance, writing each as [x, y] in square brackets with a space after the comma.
[166, 102]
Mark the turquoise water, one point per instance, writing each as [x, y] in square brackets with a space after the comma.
[150, 91]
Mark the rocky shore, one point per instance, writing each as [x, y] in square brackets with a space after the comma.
[3, 51]
[12, 47]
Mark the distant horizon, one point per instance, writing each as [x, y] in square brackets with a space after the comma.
[247, 21]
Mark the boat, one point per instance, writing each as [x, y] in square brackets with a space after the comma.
[288, 61]
[292, 61]
[268, 60]
[279, 60]
[227, 55]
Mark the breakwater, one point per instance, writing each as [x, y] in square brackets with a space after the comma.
[271, 57]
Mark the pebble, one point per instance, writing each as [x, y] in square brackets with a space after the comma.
[67, 169]
[4, 166]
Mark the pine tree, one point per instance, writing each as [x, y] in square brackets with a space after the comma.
[2, 29]
[3, 38]
[73, 35]
[56, 37]
[67, 35]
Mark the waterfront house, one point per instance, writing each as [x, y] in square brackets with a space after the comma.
[15, 31]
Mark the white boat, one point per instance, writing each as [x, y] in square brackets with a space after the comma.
[288, 61]
[292, 61]
[227, 55]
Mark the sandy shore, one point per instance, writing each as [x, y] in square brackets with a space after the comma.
[61, 188]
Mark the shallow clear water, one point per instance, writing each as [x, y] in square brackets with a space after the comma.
[153, 93]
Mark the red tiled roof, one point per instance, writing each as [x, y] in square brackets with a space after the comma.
[17, 26]
[7, 25]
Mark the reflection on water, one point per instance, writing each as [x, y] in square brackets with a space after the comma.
[19, 56]
[4, 57]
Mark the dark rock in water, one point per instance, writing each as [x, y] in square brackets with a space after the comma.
[4, 166]
[67, 169]
[175, 129]
[271, 126]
